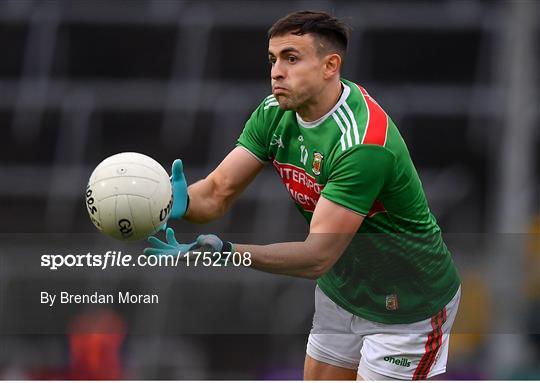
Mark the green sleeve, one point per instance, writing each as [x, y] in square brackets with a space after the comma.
[254, 137]
[357, 177]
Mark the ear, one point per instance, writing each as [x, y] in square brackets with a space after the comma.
[332, 65]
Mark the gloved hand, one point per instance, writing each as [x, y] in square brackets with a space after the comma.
[212, 243]
[209, 246]
[179, 190]
[171, 247]
[209, 249]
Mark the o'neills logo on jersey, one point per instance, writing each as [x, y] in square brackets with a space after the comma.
[302, 186]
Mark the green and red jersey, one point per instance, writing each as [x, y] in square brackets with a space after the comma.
[397, 269]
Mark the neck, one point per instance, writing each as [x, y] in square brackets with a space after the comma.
[321, 103]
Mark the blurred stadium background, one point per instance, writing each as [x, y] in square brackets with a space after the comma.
[81, 80]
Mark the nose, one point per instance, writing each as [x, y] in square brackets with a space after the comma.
[277, 71]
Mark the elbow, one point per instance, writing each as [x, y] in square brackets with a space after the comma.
[315, 274]
[222, 196]
[319, 269]
[323, 253]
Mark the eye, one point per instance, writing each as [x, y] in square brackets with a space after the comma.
[292, 59]
[272, 60]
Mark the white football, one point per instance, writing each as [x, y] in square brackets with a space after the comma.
[129, 196]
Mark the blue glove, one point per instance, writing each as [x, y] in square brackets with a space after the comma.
[179, 190]
[212, 243]
[209, 245]
[171, 247]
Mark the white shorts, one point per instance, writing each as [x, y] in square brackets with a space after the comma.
[377, 351]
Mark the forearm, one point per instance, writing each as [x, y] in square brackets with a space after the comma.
[299, 259]
[212, 197]
[205, 203]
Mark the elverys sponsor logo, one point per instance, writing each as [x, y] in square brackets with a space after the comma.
[302, 186]
[398, 361]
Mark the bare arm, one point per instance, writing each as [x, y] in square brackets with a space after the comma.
[331, 230]
[211, 197]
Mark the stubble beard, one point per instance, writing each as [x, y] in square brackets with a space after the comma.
[293, 102]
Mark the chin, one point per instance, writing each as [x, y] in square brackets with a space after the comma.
[287, 107]
[287, 104]
[283, 105]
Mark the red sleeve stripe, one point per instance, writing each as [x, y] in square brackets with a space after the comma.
[377, 121]
[433, 344]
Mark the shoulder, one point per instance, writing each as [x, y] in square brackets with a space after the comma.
[266, 115]
[365, 155]
[269, 102]
[269, 107]
[368, 122]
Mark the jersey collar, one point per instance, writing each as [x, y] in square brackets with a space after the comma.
[317, 122]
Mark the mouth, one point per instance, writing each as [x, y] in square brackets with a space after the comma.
[278, 89]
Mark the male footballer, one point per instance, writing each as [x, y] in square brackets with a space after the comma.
[387, 289]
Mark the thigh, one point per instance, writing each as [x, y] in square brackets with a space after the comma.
[317, 370]
[410, 351]
[331, 341]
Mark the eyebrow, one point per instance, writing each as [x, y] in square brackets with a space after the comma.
[285, 50]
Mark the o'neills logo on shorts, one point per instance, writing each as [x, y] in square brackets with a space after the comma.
[398, 361]
[301, 186]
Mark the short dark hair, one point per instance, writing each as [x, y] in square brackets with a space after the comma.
[323, 25]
